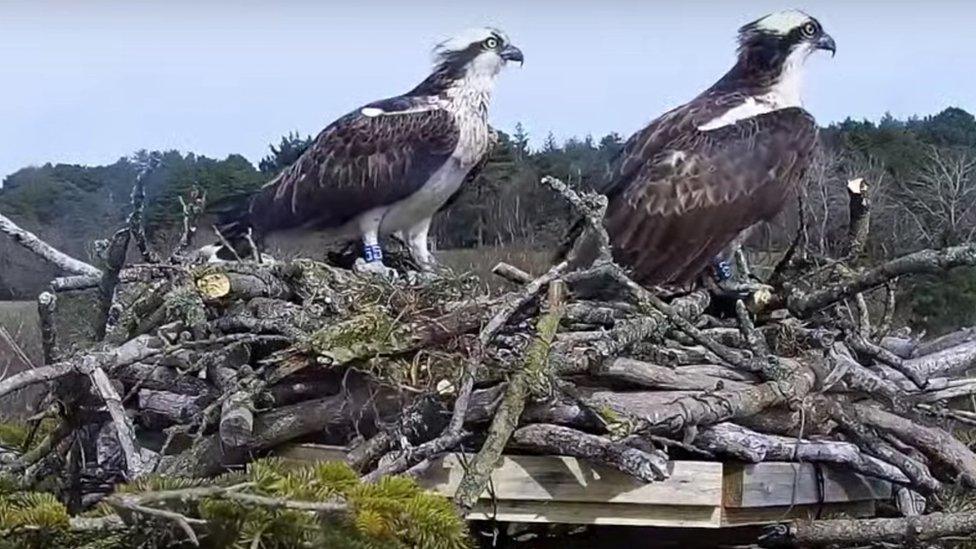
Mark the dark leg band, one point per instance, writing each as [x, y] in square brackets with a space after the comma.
[372, 253]
[723, 270]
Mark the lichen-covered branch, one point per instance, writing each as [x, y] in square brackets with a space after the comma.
[45, 251]
[111, 255]
[748, 445]
[859, 532]
[136, 220]
[534, 371]
[564, 441]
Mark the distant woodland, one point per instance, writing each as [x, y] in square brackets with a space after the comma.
[921, 173]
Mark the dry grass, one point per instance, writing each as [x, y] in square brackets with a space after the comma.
[480, 261]
[20, 320]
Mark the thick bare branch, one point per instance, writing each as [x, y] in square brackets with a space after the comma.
[854, 532]
[925, 261]
[45, 251]
[558, 440]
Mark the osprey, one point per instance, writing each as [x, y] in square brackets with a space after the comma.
[387, 167]
[690, 183]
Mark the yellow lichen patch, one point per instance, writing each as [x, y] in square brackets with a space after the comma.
[213, 285]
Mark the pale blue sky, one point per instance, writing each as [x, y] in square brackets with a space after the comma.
[91, 81]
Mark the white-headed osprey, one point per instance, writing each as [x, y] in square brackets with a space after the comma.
[686, 186]
[387, 167]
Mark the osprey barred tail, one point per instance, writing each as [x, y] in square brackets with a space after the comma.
[697, 178]
[387, 167]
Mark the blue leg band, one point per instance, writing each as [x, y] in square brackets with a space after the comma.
[372, 253]
[723, 270]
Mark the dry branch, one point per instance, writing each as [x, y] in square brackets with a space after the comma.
[45, 251]
[923, 262]
[111, 255]
[747, 445]
[11, 348]
[47, 304]
[135, 462]
[558, 440]
[535, 370]
[136, 221]
[936, 443]
[850, 532]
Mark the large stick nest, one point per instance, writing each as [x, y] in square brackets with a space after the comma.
[203, 368]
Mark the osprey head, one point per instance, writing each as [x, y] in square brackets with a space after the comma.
[476, 52]
[791, 35]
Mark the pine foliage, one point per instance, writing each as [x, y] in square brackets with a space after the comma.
[393, 513]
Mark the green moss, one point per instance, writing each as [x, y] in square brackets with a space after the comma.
[537, 355]
[367, 334]
[185, 304]
[14, 434]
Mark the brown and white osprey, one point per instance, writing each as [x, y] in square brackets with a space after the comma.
[387, 167]
[686, 186]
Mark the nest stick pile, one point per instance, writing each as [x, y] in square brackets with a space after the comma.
[204, 368]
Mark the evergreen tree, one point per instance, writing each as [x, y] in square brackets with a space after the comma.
[520, 142]
[550, 146]
[611, 145]
[285, 154]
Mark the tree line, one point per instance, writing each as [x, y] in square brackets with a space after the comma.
[921, 172]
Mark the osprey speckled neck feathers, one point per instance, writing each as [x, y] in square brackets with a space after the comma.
[387, 167]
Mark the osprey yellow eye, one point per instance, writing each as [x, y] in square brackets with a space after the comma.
[809, 30]
[491, 43]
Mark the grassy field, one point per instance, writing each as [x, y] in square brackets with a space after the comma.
[480, 261]
[19, 318]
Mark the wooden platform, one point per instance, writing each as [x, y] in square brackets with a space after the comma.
[698, 494]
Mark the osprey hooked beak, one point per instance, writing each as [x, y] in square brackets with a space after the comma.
[511, 53]
[826, 42]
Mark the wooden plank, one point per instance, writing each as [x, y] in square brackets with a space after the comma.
[556, 489]
[776, 484]
[565, 479]
[620, 514]
[733, 516]
[556, 478]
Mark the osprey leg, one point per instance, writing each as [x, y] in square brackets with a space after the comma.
[416, 239]
[372, 258]
[372, 252]
[369, 227]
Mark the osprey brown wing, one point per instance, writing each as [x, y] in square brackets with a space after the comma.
[686, 200]
[356, 164]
